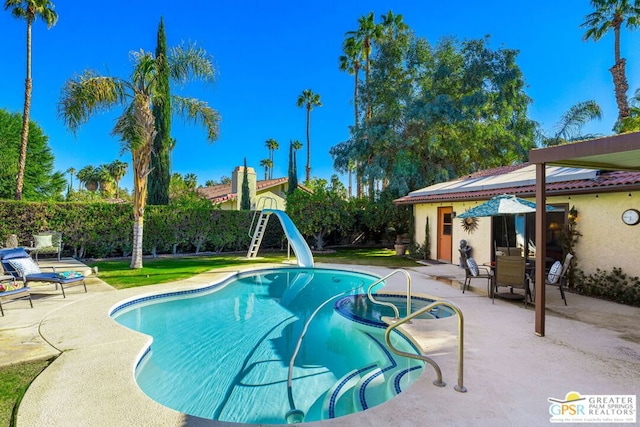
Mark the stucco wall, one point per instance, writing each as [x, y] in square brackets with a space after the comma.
[606, 242]
[479, 240]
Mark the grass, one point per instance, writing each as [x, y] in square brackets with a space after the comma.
[162, 270]
[14, 381]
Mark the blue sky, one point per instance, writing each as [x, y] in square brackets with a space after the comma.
[267, 52]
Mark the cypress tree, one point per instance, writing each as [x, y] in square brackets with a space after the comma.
[293, 170]
[245, 202]
[159, 177]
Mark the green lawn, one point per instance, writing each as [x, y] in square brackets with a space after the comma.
[163, 270]
[14, 381]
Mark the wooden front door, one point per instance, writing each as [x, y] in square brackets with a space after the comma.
[445, 228]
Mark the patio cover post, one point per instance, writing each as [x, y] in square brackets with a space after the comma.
[541, 244]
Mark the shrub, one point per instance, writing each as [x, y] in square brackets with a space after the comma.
[613, 286]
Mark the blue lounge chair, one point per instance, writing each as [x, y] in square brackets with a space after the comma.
[19, 264]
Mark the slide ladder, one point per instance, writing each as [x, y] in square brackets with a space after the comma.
[258, 234]
[296, 240]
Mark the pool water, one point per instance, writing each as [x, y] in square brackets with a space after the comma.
[223, 352]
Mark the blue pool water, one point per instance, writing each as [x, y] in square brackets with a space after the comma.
[223, 352]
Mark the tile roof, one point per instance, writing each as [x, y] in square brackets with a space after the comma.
[605, 181]
[222, 192]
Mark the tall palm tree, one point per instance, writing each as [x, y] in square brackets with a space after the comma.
[296, 146]
[117, 170]
[350, 62]
[308, 100]
[71, 171]
[393, 26]
[29, 10]
[612, 14]
[88, 93]
[267, 164]
[368, 31]
[363, 38]
[272, 145]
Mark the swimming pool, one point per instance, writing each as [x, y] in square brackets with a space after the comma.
[223, 352]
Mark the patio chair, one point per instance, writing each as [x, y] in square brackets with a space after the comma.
[557, 275]
[17, 263]
[511, 273]
[10, 289]
[473, 271]
[47, 242]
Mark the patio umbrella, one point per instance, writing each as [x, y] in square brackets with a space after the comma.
[504, 204]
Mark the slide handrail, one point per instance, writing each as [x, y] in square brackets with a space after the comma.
[388, 304]
[272, 202]
[438, 381]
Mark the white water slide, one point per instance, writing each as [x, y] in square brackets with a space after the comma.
[297, 242]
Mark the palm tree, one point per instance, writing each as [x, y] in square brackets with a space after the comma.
[570, 125]
[362, 39]
[29, 10]
[612, 14]
[88, 176]
[393, 26]
[350, 62]
[272, 145]
[105, 181]
[308, 99]
[368, 31]
[88, 93]
[117, 170]
[267, 164]
[71, 171]
[296, 146]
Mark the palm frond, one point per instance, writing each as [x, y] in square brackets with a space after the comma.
[190, 62]
[573, 120]
[86, 94]
[199, 112]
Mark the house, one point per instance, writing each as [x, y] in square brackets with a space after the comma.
[595, 199]
[268, 193]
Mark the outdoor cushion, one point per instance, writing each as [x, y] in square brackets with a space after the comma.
[554, 273]
[473, 266]
[7, 254]
[24, 266]
[11, 286]
[69, 274]
[42, 241]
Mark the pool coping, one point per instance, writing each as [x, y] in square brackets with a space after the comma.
[88, 384]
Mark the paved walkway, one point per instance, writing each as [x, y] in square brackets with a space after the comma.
[591, 347]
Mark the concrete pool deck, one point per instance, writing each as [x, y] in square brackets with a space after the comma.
[591, 347]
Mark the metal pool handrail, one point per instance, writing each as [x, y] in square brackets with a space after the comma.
[294, 416]
[438, 381]
[388, 304]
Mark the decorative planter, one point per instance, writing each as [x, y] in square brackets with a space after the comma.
[400, 249]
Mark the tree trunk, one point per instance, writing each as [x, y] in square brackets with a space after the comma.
[308, 168]
[141, 159]
[24, 136]
[620, 87]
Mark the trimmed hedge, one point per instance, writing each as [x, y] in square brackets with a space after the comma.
[98, 230]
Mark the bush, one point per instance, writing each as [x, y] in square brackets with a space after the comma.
[613, 286]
